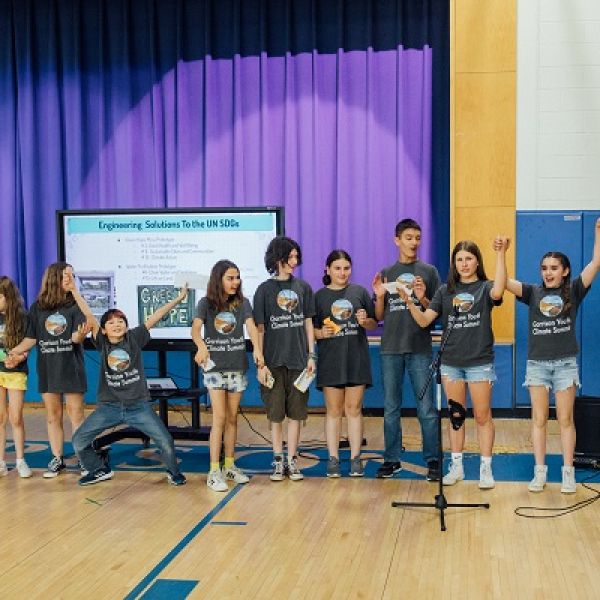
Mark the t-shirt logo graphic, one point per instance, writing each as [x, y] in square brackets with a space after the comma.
[464, 302]
[118, 360]
[55, 324]
[287, 300]
[407, 280]
[225, 322]
[342, 309]
[551, 306]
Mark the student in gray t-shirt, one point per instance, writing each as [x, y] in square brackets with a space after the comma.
[465, 304]
[406, 348]
[123, 396]
[283, 311]
[54, 326]
[344, 311]
[222, 314]
[13, 380]
[552, 354]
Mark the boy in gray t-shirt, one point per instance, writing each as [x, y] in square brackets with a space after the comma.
[405, 347]
[123, 395]
[283, 310]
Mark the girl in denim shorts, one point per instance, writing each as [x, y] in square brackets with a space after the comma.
[221, 316]
[465, 304]
[552, 354]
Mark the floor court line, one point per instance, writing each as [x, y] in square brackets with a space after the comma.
[170, 556]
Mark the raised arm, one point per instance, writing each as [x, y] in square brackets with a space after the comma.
[590, 270]
[500, 246]
[514, 287]
[380, 291]
[422, 318]
[161, 311]
[91, 323]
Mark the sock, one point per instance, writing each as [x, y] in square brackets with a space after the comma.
[19, 461]
[228, 462]
[457, 458]
[214, 466]
[278, 455]
[486, 460]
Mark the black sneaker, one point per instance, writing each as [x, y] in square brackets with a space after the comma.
[433, 471]
[388, 469]
[177, 479]
[55, 466]
[100, 474]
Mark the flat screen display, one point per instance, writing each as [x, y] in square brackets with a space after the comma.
[136, 260]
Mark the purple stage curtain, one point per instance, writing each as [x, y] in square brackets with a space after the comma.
[125, 104]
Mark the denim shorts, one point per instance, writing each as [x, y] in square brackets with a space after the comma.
[230, 381]
[556, 375]
[470, 374]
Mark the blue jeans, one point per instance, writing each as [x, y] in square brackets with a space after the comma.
[393, 367]
[139, 415]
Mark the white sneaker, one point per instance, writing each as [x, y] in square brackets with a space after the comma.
[455, 473]
[486, 478]
[568, 481]
[540, 475]
[3, 469]
[294, 473]
[216, 482]
[235, 474]
[23, 469]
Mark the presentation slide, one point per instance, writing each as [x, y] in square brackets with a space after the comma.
[137, 261]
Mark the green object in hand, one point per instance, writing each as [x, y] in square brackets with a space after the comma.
[2, 355]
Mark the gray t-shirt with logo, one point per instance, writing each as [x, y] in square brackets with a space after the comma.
[343, 358]
[400, 332]
[122, 378]
[468, 310]
[224, 335]
[282, 307]
[60, 367]
[551, 330]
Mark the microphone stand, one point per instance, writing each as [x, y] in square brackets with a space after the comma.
[440, 502]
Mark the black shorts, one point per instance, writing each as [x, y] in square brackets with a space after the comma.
[283, 399]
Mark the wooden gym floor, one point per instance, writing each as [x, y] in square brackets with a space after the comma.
[136, 536]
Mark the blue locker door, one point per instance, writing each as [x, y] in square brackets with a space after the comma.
[589, 317]
[539, 232]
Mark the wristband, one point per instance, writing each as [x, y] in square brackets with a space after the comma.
[312, 355]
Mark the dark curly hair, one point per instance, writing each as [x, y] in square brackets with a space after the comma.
[278, 251]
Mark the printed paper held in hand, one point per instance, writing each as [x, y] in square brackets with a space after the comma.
[391, 287]
[208, 364]
[304, 380]
[194, 281]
